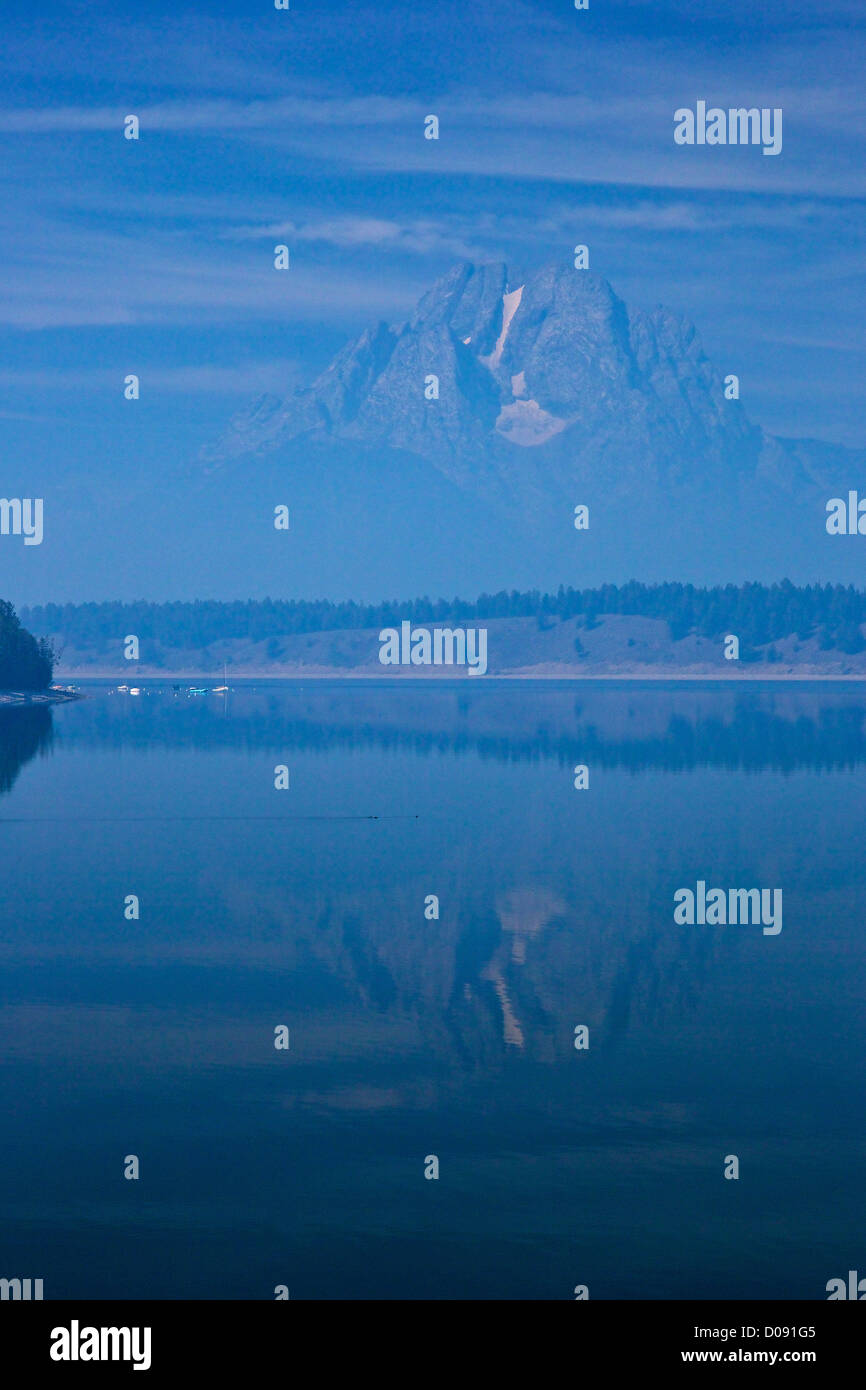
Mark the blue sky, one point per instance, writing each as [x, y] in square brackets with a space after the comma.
[305, 127]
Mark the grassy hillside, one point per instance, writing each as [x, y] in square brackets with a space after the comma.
[628, 629]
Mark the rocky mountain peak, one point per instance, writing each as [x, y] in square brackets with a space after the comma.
[486, 367]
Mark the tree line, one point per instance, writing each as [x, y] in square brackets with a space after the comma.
[758, 613]
[25, 662]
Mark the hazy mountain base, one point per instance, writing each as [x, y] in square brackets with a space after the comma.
[387, 521]
[614, 645]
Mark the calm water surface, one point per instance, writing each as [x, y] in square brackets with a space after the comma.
[412, 1037]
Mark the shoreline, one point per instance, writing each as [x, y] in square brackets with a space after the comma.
[20, 699]
[569, 677]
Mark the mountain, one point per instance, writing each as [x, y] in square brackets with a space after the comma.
[549, 393]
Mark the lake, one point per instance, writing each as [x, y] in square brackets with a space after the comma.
[412, 1035]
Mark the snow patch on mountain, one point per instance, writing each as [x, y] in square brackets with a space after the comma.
[510, 305]
[525, 423]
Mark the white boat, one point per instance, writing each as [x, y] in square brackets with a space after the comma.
[134, 690]
[221, 689]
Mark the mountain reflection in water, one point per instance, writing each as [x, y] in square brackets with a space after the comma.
[413, 1036]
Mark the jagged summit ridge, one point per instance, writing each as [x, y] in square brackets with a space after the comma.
[516, 365]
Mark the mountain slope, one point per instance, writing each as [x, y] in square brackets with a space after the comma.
[548, 393]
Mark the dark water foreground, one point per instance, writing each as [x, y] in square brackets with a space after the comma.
[413, 1037]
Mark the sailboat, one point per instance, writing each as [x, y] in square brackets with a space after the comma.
[221, 689]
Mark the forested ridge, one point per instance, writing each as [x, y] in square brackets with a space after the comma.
[758, 614]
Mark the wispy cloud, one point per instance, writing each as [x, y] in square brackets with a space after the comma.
[420, 236]
[556, 127]
[277, 375]
[280, 116]
[619, 132]
[119, 279]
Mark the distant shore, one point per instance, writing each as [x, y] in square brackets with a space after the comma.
[611, 647]
[755, 674]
